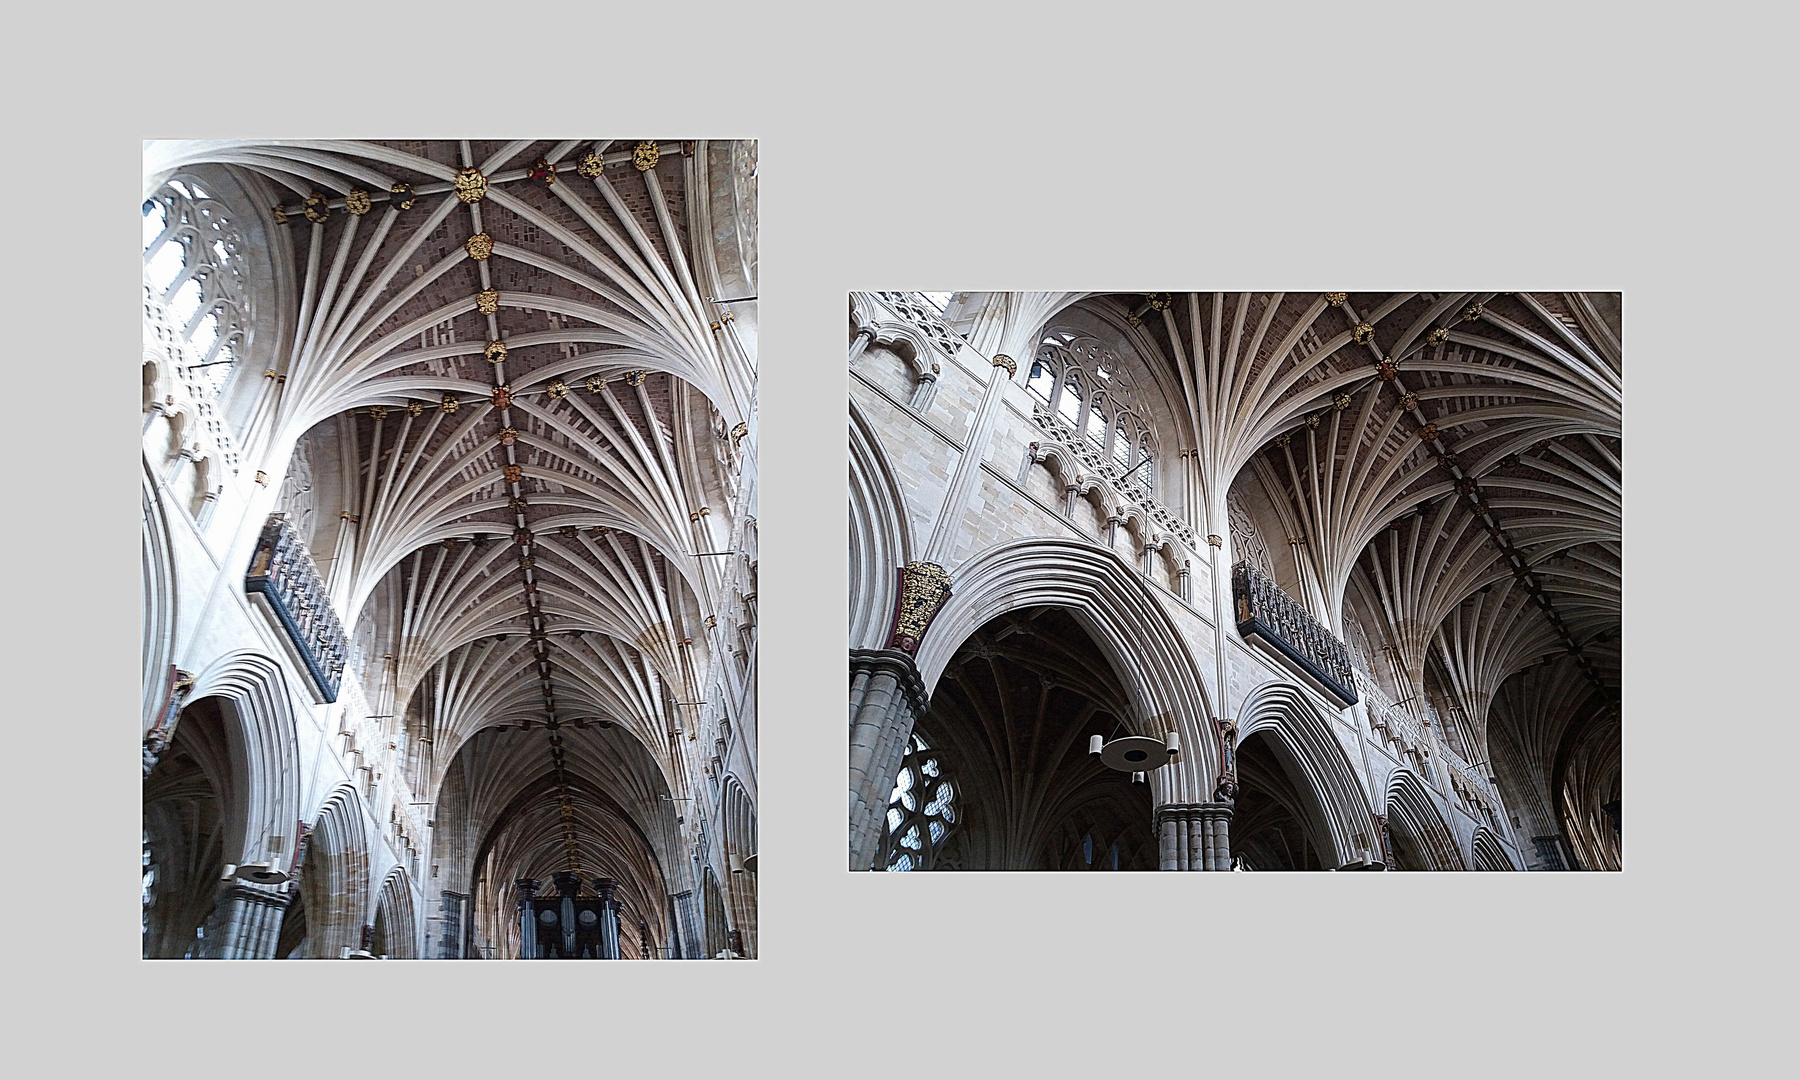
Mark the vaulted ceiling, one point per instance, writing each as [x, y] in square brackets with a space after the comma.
[1451, 462]
[523, 397]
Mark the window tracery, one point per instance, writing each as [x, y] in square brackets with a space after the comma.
[922, 812]
[926, 316]
[1083, 394]
[197, 308]
[1246, 538]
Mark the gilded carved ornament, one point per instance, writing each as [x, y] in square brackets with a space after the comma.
[357, 202]
[403, 196]
[316, 209]
[495, 351]
[487, 301]
[1363, 334]
[1002, 360]
[479, 246]
[591, 166]
[645, 156]
[471, 186]
[924, 586]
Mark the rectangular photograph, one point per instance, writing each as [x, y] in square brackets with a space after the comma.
[449, 549]
[1235, 581]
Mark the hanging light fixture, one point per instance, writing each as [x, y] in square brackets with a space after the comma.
[1135, 753]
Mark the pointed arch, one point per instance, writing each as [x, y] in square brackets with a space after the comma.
[1487, 852]
[1417, 822]
[260, 725]
[1306, 745]
[1117, 608]
[395, 922]
[161, 611]
[334, 878]
[740, 856]
[880, 535]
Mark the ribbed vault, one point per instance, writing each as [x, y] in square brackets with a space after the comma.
[515, 420]
[1011, 717]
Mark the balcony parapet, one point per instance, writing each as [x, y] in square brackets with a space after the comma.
[283, 576]
[1268, 613]
[1128, 493]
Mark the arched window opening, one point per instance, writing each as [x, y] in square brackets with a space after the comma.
[1087, 398]
[1040, 381]
[1069, 407]
[197, 309]
[1097, 422]
[922, 811]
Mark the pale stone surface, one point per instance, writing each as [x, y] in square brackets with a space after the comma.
[1026, 497]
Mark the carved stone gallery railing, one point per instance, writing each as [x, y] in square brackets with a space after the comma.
[1128, 491]
[1394, 724]
[918, 311]
[283, 576]
[1401, 731]
[1264, 610]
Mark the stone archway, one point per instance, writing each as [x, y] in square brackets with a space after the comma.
[1298, 782]
[1419, 835]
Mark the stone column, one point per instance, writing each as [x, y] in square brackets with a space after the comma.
[1194, 836]
[450, 945]
[1215, 819]
[966, 478]
[687, 925]
[1168, 827]
[609, 918]
[863, 337]
[886, 699]
[528, 949]
[246, 921]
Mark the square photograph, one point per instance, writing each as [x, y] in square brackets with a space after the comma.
[449, 549]
[1235, 581]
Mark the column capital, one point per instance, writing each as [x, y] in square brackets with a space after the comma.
[898, 664]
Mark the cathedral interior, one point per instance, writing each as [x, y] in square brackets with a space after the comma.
[1255, 581]
[450, 549]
